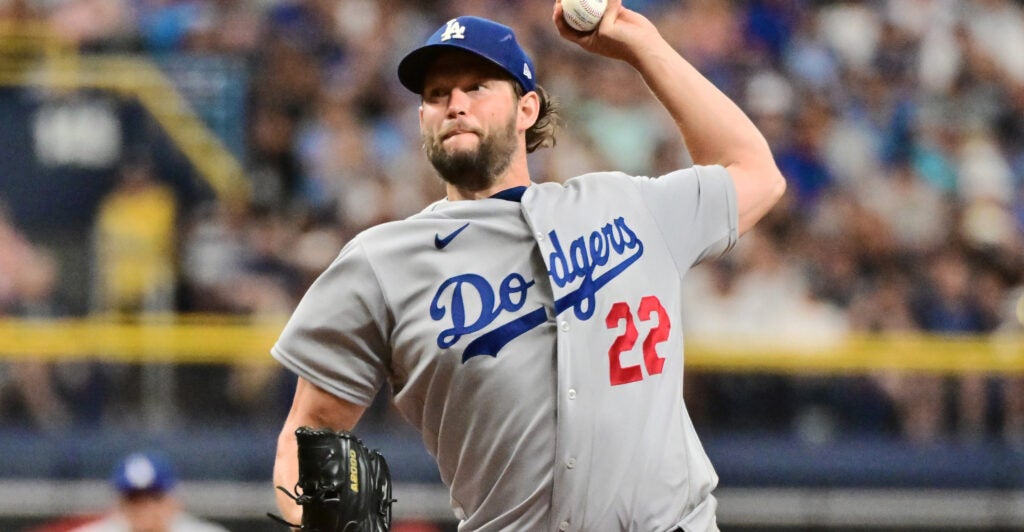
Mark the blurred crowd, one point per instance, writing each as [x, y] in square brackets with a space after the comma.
[899, 125]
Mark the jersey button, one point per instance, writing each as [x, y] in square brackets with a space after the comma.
[539, 235]
[572, 394]
[564, 525]
[570, 463]
[564, 326]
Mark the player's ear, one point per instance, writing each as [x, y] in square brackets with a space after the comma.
[528, 111]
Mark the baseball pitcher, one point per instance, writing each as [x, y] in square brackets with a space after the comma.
[531, 331]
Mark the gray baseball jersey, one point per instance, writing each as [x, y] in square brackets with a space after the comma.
[536, 346]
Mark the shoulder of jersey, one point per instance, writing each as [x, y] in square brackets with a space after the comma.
[597, 177]
[608, 182]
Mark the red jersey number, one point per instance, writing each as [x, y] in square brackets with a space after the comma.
[650, 309]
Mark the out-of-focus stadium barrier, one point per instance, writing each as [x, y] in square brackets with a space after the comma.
[162, 338]
[226, 339]
[241, 506]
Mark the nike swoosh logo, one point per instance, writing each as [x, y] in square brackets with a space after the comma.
[441, 243]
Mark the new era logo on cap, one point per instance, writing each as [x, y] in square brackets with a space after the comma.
[490, 40]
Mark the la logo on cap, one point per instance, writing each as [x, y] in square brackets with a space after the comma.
[454, 30]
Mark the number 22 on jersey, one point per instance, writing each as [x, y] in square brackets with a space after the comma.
[650, 310]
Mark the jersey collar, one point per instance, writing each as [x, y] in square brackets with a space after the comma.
[511, 194]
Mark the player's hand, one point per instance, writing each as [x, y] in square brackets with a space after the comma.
[622, 33]
[290, 512]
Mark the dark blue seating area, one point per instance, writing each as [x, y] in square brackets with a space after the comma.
[741, 460]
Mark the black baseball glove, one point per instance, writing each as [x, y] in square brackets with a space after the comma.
[342, 487]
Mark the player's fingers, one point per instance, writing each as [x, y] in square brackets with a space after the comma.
[563, 28]
[611, 15]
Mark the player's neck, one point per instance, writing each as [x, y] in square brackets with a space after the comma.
[517, 175]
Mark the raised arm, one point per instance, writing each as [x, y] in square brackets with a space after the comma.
[713, 127]
[311, 407]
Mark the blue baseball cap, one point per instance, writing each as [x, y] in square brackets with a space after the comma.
[490, 40]
[143, 472]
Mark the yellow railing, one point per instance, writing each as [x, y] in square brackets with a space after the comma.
[31, 55]
[862, 353]
[220, 339]
[195, 339]
[26, 40]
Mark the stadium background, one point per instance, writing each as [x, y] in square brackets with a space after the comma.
[176, 172]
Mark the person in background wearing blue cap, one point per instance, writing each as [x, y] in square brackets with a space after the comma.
[530, 331]
[147, 501]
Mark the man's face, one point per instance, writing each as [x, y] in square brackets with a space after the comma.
[148, 511]
[468, 120]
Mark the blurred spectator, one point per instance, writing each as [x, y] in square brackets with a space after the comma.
[853, 31]
[135, 242]
[92, 23]
[147, 500]
[913, 211]
[800, 159]
[703, 31]
[20, 10]
[997, 28]
[737, 401]
[1011, 327]
[34, 381]
[244, 263]
[301, 47]
[947, 304]
[135, 276]
[212, 251]
[620, 120]
[28, 276]
[218, 26]
[770, 25]
[335, 156]
[16, 254]
[917, 398]
[311, 27]
[166, 25]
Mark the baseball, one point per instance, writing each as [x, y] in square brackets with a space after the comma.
[583, 15]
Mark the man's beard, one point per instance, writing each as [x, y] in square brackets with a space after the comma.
[478, 169]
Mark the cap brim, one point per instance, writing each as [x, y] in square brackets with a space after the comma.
[153, 491]
[412, 70]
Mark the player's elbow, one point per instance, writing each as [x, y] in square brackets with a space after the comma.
[777, 187]
[769, 186]
[757, 191]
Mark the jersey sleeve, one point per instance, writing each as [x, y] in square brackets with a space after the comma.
[337, 338]
[695, 209]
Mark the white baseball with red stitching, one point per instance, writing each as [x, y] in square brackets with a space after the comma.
[583, 15]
